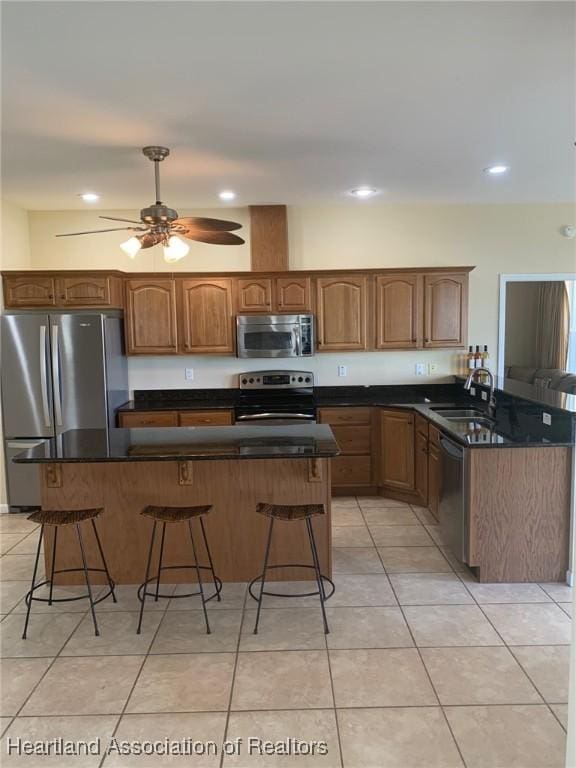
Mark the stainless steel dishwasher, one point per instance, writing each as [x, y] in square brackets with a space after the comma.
[452, 507]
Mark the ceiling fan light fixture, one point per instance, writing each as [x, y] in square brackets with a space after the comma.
[131, 247]
[175, 250]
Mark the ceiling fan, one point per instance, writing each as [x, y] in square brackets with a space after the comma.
[161, 225]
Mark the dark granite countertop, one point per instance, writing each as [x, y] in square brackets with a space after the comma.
[185, 444]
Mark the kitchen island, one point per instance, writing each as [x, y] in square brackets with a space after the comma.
[232, 468]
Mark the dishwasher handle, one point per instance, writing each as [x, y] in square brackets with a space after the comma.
[451, 449]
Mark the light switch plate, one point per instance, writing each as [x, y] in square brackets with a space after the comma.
[419, 369]
[484, 395]
[189, 374]
[473, 391]
[546, 419]
[342, 370]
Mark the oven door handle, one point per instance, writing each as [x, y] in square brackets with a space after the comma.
[256, 416]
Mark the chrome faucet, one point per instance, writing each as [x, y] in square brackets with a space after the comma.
[470, 379]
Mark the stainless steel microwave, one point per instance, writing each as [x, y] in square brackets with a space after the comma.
[275, 335]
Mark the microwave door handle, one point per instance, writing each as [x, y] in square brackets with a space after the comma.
[297, 341]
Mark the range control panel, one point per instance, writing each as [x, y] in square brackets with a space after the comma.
[276, 379]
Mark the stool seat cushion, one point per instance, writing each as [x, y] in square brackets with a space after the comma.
[175, 514]
[64, 516]
[290, 511]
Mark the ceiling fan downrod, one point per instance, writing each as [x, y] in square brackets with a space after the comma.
[158, 213]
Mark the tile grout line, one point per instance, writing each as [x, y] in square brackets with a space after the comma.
[335, 710]
[233, 678]
[426, 668]
[137, 677]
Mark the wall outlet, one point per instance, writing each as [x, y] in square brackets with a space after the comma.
[473, 391]
[189, 374]
[484, 396]
[342, 370]
[432, 368]
[419, 369]
[546, 419]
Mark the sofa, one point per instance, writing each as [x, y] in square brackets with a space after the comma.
[550, 378]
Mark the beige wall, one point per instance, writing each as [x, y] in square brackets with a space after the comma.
[494, 238]
[14, 254]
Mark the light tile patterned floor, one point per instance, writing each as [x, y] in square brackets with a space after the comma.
[423, 668]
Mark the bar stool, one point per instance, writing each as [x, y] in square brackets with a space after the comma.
[166, 515]
[291, 513]
[57, 518]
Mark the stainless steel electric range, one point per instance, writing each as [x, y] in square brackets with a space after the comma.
[276, 397]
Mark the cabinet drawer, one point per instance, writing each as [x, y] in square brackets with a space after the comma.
[345, 415]
[205, 418]
[149, 419]
[351, 470]
[353, 439]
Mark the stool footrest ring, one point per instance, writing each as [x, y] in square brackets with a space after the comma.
[258, 580]
[30, 596]
[154, 579]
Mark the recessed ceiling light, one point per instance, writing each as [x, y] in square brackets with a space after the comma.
[90, 197]
[496, 170]
[227, 194]
[363, 192]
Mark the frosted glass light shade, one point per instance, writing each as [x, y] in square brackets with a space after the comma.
[131, 247]
[175, 250]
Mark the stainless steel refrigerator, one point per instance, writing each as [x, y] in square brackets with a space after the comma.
[58, 372]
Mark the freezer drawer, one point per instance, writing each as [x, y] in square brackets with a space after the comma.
[23, 480]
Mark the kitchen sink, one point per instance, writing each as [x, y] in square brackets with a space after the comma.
[480, 421]
[459, 413]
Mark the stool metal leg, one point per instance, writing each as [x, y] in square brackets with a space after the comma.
[110, 582]
[318, 573]
[53, 564]
[145, 585]
[218, 598]
[88, 587]
[160, 562]
[264, 574]
[33, 582]
[199, 577]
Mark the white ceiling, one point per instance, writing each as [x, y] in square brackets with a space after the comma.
[290, 102]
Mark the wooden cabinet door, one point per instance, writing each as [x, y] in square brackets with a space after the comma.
[421, 467]
[398, 311]
[397, 449]
[207, 316]
[29, 291]
[83, 291]
[446, 310]
[130, 419]
[255, 295]
[150, 321]
[218, 418]
[341, 312]
[293, 294]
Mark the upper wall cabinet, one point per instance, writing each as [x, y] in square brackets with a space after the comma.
[29, 291]
[446, 309]
[207, 316]
[73, 290]
[341, 304]
[255, 295]
[293, 294]
[398, 311]
[150, 322]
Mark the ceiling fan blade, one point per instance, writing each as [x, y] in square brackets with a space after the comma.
[97, 231]
[115, 218]
[214, 238]
[206, 225]
[149, 239]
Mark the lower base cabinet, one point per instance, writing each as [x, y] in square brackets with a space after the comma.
[352, 470]
[397, 465]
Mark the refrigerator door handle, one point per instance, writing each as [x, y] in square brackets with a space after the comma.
[56, 376]
[44, 377]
